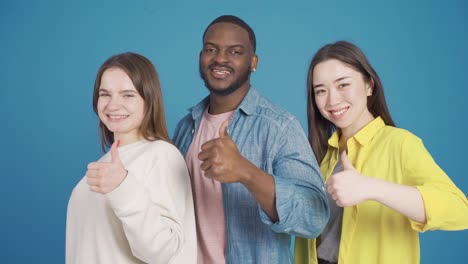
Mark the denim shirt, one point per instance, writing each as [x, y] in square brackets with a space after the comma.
[273, 140]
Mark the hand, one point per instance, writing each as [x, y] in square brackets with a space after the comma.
[104, 177]
[348, 187]
[221, 160]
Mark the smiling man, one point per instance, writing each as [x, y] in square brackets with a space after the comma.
[255, 179]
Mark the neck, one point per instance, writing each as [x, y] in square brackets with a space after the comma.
[347, 133]
[225, 103]
[127, 139]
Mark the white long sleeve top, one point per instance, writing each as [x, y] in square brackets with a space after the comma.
[148, 218]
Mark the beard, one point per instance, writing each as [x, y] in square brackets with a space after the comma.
[236, 84]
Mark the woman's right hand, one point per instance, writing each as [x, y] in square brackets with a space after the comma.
[104, 177]
[348, 187]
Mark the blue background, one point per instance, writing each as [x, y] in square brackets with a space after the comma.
[51, 51]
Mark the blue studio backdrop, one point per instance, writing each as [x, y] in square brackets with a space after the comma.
[51, 51]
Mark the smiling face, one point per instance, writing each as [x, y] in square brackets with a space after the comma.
[341, 96]
[120, 106]
[227, 58]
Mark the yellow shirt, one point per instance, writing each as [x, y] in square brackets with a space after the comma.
[373, 233]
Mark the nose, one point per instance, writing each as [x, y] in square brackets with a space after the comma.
[334, 97]
[114, 102]
[221, 57]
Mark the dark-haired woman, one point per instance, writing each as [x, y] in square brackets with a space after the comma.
[383, 185]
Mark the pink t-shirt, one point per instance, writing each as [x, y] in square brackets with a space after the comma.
[207, 194]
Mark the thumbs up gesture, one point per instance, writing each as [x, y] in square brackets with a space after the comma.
[348, 187]
[221, 160]
[104, 177]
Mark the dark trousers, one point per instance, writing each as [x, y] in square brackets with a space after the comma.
[321, 261]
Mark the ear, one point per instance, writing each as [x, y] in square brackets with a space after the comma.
[253, 63]
[370, 87]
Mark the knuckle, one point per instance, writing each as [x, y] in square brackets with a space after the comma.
[216, 171]
[218, 143]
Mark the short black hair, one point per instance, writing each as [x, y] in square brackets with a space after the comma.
[237, 21]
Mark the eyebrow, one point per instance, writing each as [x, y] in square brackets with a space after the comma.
[335, 81]
[230, 46]
[123, 91]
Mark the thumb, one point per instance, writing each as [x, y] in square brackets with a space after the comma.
[223, 129]
[347, 165]
[115, 157]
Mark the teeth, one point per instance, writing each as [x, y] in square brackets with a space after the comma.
[117, 116]
[221, 71]
[336, 113]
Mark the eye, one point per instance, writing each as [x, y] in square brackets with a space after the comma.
[128, 95]
[343, 85]
[103, 94]
[319, 91]
[236, 52]
[209, 50]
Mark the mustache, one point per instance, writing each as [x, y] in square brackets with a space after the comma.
[217, 65]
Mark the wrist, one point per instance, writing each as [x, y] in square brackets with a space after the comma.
[374, 187]
[247, 174]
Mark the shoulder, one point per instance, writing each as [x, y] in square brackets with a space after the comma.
[396, 132]
[274, 115]
[162, 161]
[161, 147]
[163, 154]
[397, 136]
[158, 150]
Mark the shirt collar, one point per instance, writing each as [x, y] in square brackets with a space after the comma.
[363, 136]
[197, 110]
[250, 102]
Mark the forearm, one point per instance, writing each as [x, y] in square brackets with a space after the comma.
[262, 186]
[406, 200]
[152, 232]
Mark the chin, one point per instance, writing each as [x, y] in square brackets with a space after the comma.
[217, 88]
[114, 129]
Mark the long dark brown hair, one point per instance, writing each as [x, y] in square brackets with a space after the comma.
[320, 129]
[146, 81]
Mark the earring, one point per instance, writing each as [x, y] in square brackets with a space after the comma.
[253, 69]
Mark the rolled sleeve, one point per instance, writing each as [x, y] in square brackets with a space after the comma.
[301, 210]
[446, 208]
[299, 189]
[445, 205]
